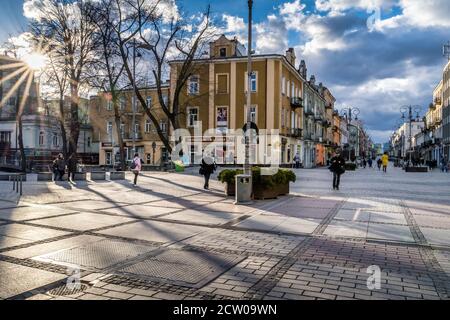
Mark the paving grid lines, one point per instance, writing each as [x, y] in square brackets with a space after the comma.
[265, 285]
[440, 278]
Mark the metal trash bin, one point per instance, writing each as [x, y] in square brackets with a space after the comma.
[243, 189]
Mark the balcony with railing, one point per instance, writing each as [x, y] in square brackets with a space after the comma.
[296, 102]
[295, 132]
[318, 117]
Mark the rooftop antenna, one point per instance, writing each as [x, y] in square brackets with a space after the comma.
[446, 50]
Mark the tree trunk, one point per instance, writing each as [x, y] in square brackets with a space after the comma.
[23, 157]
[62, 126]
[119, 135]
[74, 121]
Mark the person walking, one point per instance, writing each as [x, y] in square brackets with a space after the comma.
[72, 163]
[370, 162]
[444, 165]
[206, 169]
[59, 167]
[297, 161]
[136, 167]
[385, 161]
[337, 167]
[364, 162]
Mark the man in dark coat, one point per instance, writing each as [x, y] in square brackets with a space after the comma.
[337, 166]
[72, 166]
[206, 169]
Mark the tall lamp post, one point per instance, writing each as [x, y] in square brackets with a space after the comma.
[247, 166]
[350, 114]
[143, 46]
[407, 114]
[244, 184]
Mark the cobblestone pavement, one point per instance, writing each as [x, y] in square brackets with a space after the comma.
[170, 239]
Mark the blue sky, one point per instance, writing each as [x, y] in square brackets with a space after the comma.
[377, 55]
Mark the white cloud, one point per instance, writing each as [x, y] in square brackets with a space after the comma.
[430, 13]
[271, 35]
[234, 24]
[342, 5]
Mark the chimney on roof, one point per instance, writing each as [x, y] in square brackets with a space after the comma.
[302, 69]
[312, 80]
[290, 56]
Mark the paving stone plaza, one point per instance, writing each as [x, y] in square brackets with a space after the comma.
[170, 239]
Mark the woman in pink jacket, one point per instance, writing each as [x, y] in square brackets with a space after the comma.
[136, 167]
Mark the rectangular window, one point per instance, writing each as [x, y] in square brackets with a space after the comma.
[223, 52]
[41, 138]
[166, 100]
[194, 85]
[292, 89]
[283, 85]
[148, 126]
[55, 139]
[163, 126]
[136, 130]
[122, 129]
[109, 127]
[288, 88]
[253, 113]
[149, 102]
[283, 118]
[222, 84]
[5, 136]
[109, 105]
[89, 142]
[192, 116]
[254, 82]
[122, 103]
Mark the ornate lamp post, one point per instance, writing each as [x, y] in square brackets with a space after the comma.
[350, 114]
[407, 114]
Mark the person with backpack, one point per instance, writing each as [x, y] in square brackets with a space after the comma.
[337, 167]
[136, 167]
[207, 168]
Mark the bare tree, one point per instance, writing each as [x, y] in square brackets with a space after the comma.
[132, 23]
[65, 28]
[109, 67]
[57, 78]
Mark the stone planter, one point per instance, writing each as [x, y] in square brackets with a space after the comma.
[80, 176]
[45, 176]
[117, 175]
[262, 192]
[283, 189]
[230, 189]
[416, 169]
[98, 175]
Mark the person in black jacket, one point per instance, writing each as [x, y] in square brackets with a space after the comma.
[206, 169]
[72, 163]
[337, 166]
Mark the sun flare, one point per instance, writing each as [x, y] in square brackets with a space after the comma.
[35, 60]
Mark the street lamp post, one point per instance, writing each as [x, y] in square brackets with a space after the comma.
[143, 46]
[350, 114]
[247, 166]
[410, 110]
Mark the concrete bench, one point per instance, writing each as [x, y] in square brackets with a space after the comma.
[7, 177]
[416, 169]
[117, 175]
[98, 175]
[45, 176]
